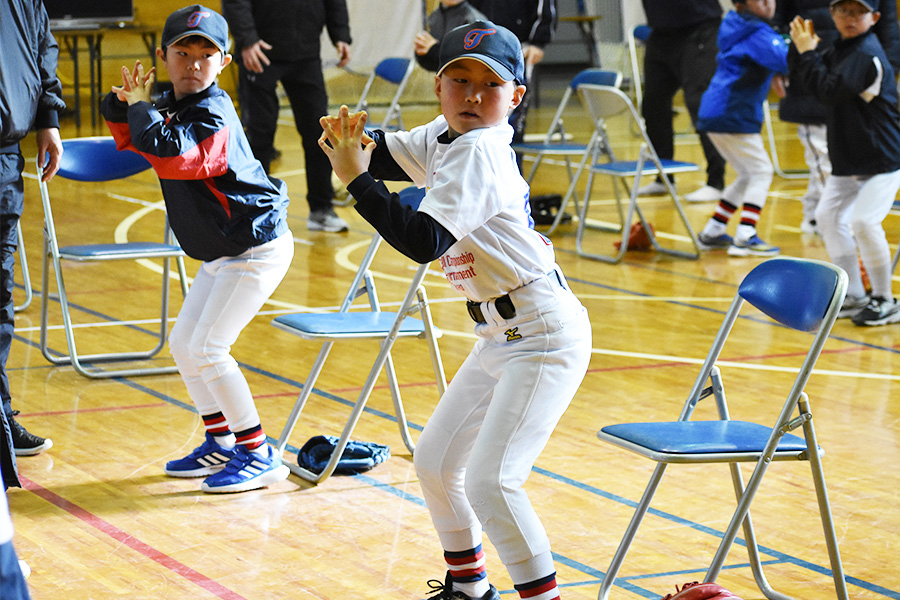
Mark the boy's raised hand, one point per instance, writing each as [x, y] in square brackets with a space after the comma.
[803, 34]
[346, 144]
[136, 86]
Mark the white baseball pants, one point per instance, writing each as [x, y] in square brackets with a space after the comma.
[480, 444]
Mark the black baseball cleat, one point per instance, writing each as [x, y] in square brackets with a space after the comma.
[24, 442]
[444, 591]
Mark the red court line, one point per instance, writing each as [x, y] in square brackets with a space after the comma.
[129, 541]
[51, 413]
[660, 365]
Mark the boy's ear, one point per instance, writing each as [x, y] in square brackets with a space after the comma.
[161, 54]
[226, 60]
[518, 94]
[437, 86]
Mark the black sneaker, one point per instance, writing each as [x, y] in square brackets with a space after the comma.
[445, 591]
[25, 443]
[879, 311]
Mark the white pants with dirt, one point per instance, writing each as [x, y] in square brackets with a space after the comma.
[225, 296]
[853, 208]
[480, 444]
[747, 155]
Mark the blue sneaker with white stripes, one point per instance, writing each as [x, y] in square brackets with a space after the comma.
[752, 247]
[247, 471]
[206, 459]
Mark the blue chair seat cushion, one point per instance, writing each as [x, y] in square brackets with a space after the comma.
[351, 324]
[99, 251]
[702, 437]
[552, 147]
[626, 168]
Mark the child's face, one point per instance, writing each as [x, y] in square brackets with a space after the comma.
[473, 96]
[762, 8]
[852, 18]
[192, 64]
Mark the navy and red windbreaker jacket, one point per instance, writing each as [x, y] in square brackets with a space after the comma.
[219, 199]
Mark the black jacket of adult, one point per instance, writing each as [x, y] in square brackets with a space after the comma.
[664, 15]
[30, 92]
[796, 107]
[292, 27]
[532, 21]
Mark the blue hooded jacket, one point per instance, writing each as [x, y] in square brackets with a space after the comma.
[750, 53]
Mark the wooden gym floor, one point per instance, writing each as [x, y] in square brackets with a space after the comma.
[98, 519]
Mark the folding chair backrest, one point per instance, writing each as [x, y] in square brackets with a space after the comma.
[604, 101]
[98, 159]
[775, 286]
[396, 71]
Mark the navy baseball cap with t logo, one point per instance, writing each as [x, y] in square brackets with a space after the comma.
[872, 5]
[493, 45]
[196, 20]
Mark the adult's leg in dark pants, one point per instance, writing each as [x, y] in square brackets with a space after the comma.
[11, 204]
[698, 65]
[259, 110]
[661, 76]
[305, 88]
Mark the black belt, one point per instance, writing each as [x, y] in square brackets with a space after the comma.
[503, 304]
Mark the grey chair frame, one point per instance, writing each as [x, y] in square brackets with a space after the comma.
[385, 327]
[604, 102]
[709, 383]
[102, 365]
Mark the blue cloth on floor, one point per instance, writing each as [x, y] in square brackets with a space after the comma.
[356, 458]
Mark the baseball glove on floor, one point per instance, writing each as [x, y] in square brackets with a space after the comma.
[356, 458]
[701, 591]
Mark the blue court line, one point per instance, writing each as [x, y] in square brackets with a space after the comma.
[622, 582]
[625, 583]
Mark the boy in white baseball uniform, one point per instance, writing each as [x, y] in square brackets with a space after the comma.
[534, 337]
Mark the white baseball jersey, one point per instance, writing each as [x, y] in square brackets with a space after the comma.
[475, 191]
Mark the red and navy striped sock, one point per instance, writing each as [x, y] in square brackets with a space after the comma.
[216, 426]
[723, 212]
[750, 215]
[468, 571]
[252, 438]
[540, 589]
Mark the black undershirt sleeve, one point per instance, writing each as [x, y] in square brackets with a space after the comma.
[413, 233]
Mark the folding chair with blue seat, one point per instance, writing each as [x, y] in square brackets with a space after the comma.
[803, 295]
[557, 142]
[372, 324]
[96, 159]
[605, 103]
[396, 71]
[26, 276]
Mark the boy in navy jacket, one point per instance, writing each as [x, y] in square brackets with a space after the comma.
[855, 82]
[225, 211]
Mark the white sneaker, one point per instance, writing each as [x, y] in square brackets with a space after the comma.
[26, 570]
[654, 188]
[809, 227]
[326, 220]
[705, 194]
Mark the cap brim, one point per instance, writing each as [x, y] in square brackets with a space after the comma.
[502, 72]
[198, 33]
